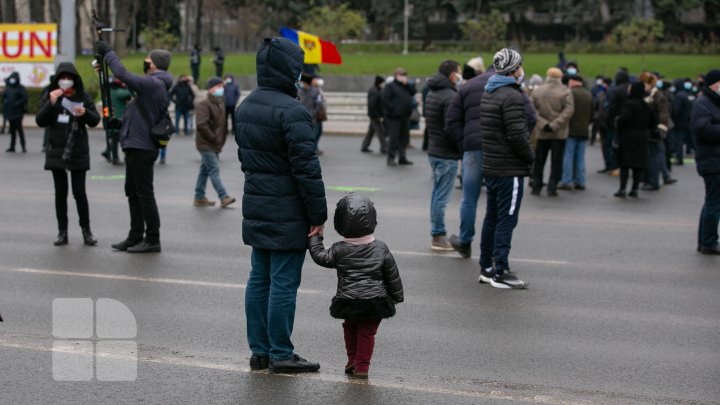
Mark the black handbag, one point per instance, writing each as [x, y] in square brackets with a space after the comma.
[162, 131]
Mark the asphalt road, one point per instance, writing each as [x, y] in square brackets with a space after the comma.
[620, 309]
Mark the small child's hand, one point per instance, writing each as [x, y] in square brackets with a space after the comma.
[316, 230]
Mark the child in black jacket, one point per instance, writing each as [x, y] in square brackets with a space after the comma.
[369, 283]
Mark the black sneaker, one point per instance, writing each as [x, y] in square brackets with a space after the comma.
[486, 275]
[507, 280]
[404, 162]
[295, 364]
[124, 245]
[259, 362]
[464, 249]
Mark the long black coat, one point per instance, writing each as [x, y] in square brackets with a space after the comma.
[634, 125]
[15, 99]
[59, 133]
[284, 191]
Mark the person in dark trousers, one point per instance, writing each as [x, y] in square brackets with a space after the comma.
[507, 158]
[657, 161]
[182, 95]
[14, 105]
[617, 95]
[195, 59]
[705, 124]
[209, 141]
[463, 118]
[219, 61]
[369, 283]
[682, 105]
[283, 203]
[232, 96]
[444, 150]
[397, 99]
[66, 111]
[375, 113]
[634, 124]
[120, 97]
[141, 150]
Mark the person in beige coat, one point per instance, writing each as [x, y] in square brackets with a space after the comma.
[209, 140]
[555, 107]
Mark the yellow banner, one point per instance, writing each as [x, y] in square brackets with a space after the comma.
[35, 43]
[311, 45]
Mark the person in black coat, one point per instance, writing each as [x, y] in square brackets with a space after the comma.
[283, 203]
[397, 97]
[182, 95]
[66, 111]
[375, 112]
[369, 283]
[706, 127]
[14, 105]
[617, 94]
[635, 122]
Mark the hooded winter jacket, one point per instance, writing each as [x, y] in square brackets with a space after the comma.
[706, 127]
[15, 98]
[441, 142]
[369, 283]
[152, 92]
[555, 106]
[682, 106]
[64, 127]
[617, 95]
[505, 140]
[284, 191]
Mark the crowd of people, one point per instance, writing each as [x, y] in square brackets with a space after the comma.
[489, 123]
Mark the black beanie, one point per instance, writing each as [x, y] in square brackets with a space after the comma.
[712, 77]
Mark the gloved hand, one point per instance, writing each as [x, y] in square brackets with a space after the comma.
[102, 47]
[547, 128]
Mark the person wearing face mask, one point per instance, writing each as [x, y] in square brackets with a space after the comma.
[555, 106]
[141, 150]
[682, 103]
[705, 125]
[15, 102]
[507, 158]
[312, 100]
[397, 98]
[209, 140]
[657, 162]
[232, 96]
[66, 110]
[444, 150]
[571, 69]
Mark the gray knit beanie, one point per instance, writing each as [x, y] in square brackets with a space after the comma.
[161, 58]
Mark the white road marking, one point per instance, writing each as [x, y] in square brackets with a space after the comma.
[231, 367]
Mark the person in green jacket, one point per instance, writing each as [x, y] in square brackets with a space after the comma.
[119, 97]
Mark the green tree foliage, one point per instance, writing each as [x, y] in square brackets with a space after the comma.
[159, 37]
[335, 24]
[637, 35]
[486, 29]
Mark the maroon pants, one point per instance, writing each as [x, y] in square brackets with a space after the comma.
[360, 341]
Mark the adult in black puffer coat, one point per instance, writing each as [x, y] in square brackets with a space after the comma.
[369, 283]
[283, 202]
[15, 102]
[68, 148]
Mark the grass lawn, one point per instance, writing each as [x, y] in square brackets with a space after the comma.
[425, 64]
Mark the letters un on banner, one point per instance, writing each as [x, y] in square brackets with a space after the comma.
[30, 50]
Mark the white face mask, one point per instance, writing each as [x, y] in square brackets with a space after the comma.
[458, 80]
[65, 83]
[12, 81]
[320, 82]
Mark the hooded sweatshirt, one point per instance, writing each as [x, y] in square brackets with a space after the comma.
[15, 98]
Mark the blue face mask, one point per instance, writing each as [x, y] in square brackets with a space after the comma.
[571, 71]
[672, 89]
[659, 85]
[687, 85]
[219, 92]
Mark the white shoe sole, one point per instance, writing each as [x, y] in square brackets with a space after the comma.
[483, 279]
[506, 286]
[444, 249]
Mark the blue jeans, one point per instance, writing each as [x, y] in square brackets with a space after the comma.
[181, 112]
[574, 161]
[504, 195]
[210, 167]
[443, 175]
[270, 301]
[609, 150]
[710, 214]
[472, 179]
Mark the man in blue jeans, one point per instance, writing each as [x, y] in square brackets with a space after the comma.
[463, 121]
[283, 203]
[507, 157]
[706, 127]
[210, 139]
[443, 151]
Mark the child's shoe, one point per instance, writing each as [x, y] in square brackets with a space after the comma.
[349, 367]
[360, 375]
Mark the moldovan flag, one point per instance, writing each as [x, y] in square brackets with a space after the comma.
[316, 50]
